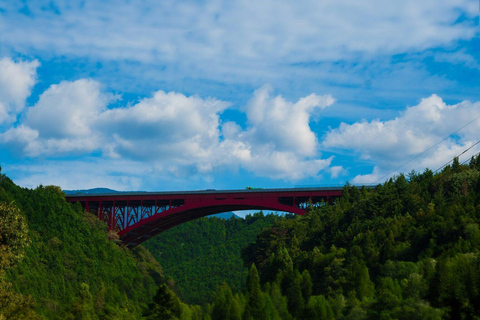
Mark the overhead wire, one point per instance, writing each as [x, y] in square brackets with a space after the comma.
[209, 275]
[436, 144]
[244, 268]
[458, 156]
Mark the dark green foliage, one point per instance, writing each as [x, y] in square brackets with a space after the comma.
[70, 270]
[84, 308]
[408, 249]
[202, 254]
[319, 308]
[13, 242]
[165, 305]
[255, 308]
[225, 305]
[13, 236]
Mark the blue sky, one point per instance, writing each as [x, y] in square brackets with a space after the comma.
[169, 95]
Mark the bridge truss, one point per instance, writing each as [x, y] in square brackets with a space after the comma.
[138, 216]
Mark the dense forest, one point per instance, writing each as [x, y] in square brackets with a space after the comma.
[406, 249]
[66, 265]
[201, 254]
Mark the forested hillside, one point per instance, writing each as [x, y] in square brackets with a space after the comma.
[407, 249]
[203, 253]
[69, 270]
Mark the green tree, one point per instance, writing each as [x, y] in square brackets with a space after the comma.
[13, 236]
[225, 306]
[13, 242]
[165, 305]
[363, 286]
[279, 301]
[318, 308]
[255, 308]
[306, 285]
[84, 307]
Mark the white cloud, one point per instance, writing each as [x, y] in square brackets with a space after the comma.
[336, 171]
[264, 161]
[236, 36]
[285, 125]
[168, 125]
[389, 144]
[116, 174]
[67, 109]
[285, 165]
[62, 121]
[369, 178]
[16, 82]
[457, 58]
[278, 142]
[180, 135]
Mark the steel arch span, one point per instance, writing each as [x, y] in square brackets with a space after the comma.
[138, 216]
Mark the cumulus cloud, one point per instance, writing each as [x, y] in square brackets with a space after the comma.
[389, 144]
[369, 178]
[265, 161]
[169, 125]
[67, 109]
[273, 120]
[175, 133]
[278, 141]
[63, 120]
[16, 82]
[286, 165]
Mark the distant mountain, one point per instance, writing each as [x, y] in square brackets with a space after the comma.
[90, 191]
[224, 215]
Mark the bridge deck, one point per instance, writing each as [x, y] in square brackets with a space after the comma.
[199, 192]
[137, 216]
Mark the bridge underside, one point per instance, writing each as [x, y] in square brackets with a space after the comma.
[149, 229]
[138, 217]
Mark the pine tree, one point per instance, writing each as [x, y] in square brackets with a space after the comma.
[306, 285]
[279, 301]
[455, 164]
[225, 306]
[361, 280]
[165, 305]
[318, 308]
[255, 308]
[292, 285]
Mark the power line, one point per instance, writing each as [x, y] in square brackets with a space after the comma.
[244, 268]
[475, 155]
[388, 174]
[458, 156]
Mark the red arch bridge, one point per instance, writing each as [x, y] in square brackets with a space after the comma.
[138, 216]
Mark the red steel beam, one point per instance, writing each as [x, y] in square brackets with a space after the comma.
[191, 205]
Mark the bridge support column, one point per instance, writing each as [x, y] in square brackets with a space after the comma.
[111, 222]
[127, 215]
[100, 211]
